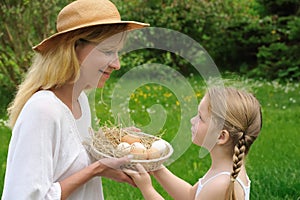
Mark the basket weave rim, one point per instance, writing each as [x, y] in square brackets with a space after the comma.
[171, 150]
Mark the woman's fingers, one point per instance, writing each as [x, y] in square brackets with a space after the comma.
[133, 129]
[115, 163]
[111, 168]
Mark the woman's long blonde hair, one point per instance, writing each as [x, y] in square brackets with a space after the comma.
[57, 64]
[239, 112]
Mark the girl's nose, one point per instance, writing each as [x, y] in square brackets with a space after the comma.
[192, 120]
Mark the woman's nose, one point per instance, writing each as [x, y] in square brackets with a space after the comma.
[115, 64]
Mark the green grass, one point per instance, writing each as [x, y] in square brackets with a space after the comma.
[273, 161]
[5, 134]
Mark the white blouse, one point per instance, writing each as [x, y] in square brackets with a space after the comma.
[45, 148]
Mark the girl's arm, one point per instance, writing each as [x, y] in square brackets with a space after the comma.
[175, 186]
[143, 181]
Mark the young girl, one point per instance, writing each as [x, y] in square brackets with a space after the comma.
[227, 123]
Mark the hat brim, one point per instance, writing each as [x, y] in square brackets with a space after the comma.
[131, 25]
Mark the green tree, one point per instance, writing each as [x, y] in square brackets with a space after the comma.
[23, 24]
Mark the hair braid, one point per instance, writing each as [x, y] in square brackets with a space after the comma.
[238, 158]
[239, 113]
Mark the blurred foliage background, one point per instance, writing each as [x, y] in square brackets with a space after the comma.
[255, 38]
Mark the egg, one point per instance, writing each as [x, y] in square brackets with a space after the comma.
[130, 139]
[160, 145]
[138, 145]
[153, 153]
[139, 151]
[124, 148]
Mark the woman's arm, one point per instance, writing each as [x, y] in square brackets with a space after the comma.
[108, 168]
[36, 148]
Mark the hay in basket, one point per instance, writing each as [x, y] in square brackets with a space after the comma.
[148, 150]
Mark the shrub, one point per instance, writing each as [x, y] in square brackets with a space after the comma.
[23, 24]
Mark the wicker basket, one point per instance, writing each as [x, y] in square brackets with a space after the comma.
[149, 165]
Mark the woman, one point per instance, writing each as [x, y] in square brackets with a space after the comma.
[50, 115]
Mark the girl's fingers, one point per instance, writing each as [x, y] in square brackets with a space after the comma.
[130, 172]
[140, 168]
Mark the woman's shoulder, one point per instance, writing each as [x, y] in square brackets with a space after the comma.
[44, 102]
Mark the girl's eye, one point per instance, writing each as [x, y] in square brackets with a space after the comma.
[201, 119]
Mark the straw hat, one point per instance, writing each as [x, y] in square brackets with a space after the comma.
[85, 13]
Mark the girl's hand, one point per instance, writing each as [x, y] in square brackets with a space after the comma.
[160, 168]
[141, 177]
[143, 180]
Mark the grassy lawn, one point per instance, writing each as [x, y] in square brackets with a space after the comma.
[273, 161]
[4, 138]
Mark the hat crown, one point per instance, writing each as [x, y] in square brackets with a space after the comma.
[83, 13]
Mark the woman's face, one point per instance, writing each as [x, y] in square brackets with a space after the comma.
[200, 122]
[97, 62]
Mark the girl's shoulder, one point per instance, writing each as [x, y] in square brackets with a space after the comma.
[213, 187]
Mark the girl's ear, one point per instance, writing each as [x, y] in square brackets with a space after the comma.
[223, 137]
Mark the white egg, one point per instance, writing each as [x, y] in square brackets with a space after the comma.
[159, 145]
[124, 147]
[153, 153]
[138, 145]
[139, 151]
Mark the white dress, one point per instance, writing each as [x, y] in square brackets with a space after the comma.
[45, 148]
[246, 188]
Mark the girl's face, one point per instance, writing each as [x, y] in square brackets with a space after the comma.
[200, 122]
[98, 61]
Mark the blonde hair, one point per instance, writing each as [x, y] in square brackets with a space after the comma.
[239, 112]
[57, 64]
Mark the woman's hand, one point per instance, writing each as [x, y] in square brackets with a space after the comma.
[111, 168]
[132, 129]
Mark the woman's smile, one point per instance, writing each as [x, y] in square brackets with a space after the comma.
[105, 74]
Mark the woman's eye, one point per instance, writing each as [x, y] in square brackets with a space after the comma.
[109, 53]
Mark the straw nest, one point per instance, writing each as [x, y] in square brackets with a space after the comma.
[106, 141]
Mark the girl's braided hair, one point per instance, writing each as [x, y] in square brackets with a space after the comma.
[239, 112]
